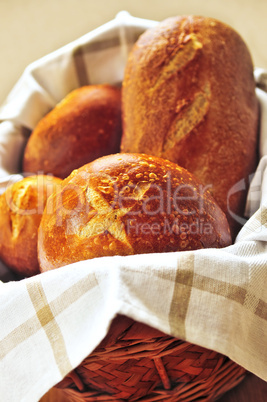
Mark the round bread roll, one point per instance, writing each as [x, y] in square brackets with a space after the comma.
[85, 125]
[21, 208]
[127, 204]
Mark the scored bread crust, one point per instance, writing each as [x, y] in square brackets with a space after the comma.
[21, 208]
[127, 204]
[189, 96]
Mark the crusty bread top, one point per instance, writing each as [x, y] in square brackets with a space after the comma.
[21, 208]
[85, 125]
[189, 97]
[128, 204]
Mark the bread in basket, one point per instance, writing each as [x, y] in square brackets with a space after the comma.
[173, 369]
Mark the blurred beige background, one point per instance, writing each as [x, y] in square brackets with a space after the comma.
[30, 29]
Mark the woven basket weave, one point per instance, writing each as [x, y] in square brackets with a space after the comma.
[138, 363]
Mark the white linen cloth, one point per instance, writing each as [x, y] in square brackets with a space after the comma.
[213, 298]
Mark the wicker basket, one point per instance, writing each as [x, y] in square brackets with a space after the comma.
[138, 363]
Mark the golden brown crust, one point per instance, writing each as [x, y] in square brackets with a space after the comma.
[128, 204]
[21, 208]
[85, 125]
[189, 96]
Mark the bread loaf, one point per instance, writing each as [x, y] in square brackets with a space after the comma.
[82, 127]
[127, 204]
[21, 208]
[189, 96]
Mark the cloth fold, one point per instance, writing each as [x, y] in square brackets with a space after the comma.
[215, 298]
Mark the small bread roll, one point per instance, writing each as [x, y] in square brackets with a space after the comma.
[21, 208]
[127, 204]
[85, 125]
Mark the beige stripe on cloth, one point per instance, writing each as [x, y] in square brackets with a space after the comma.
[50, 326]
[15, 338]
[187, 279]
[45, 318]
[80, 52]
[220, 288]
[261, 310]
[74, 293]
[181, 296]
[47, 313]
[80, 66]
